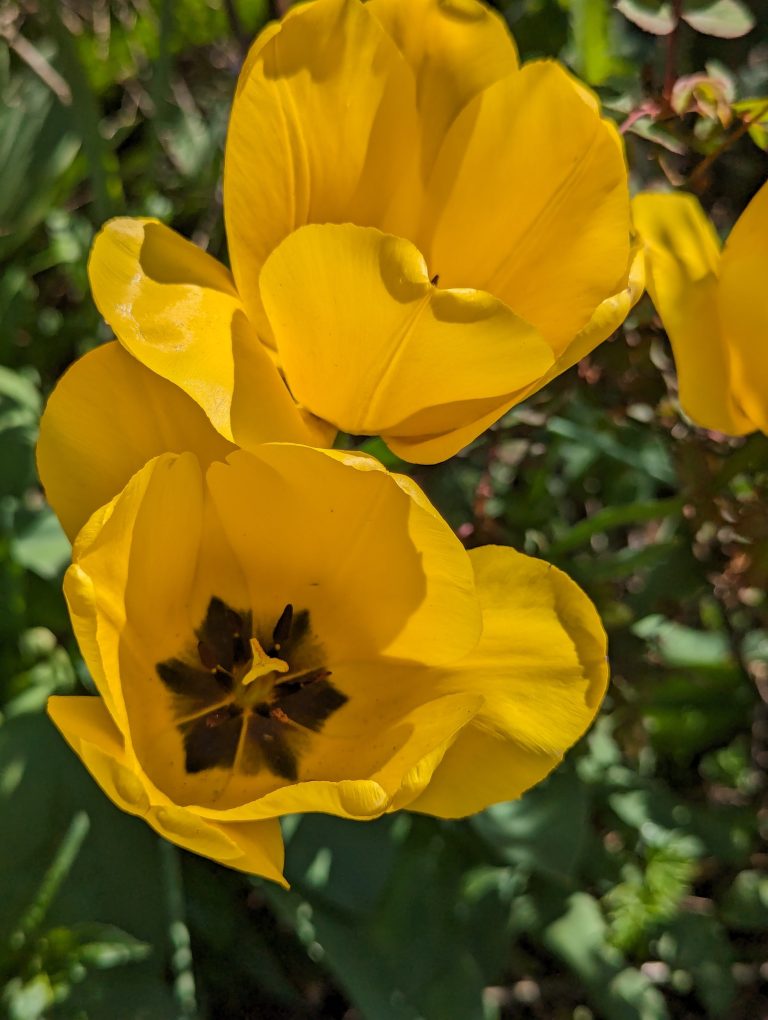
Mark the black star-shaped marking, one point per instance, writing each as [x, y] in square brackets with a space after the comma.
[275, 730]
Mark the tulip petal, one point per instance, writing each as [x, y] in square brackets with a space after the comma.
[743, 303]
[86, 725]
[144, 570]
[374, 347]
[142, 542]
[336, 535]
[108, 416]
[683, 260]
[456, 48]
[384, 761]
[541, 667]
[605, 320]
[608, 316]
[321, 106]
[176, 310]
[529, 200]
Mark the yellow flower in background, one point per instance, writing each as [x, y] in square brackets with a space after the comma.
[421, 233]
[713, 303]
[298, 630]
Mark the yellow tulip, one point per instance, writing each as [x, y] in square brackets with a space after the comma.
[298, 630]
[421, 232]
[713, 304]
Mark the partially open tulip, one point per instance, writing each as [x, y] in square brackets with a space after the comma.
[422, 233]
[298, 630]
[713, 303]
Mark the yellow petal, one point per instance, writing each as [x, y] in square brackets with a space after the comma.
[335, 534]
[143, 574]
[541, 668]
[456, 48]
[479, 769]
[529, 200]
[331, 533]
[176, 310]
[131, 575]
[323, 129]
[608, 316]
[108, 416]
[373, 347]
[434, 448]
[683, 259]
[255, 847]
[743, 304]
[378, 764]
[606, 319]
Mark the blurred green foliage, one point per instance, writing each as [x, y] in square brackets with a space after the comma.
[632, 885]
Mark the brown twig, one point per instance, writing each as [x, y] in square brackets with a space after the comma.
[34, 59]
[673, 47]
[699, 173]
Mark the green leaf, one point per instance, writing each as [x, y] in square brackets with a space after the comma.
[615, 517]
[726, 19]
[755, 111]
[657, 18]
[463, 935]
[37, 147]
[745, 905]
[628, 446]
[20, 403]
[40, 545]
[659, 133]
[103, 946]
[697, 943]
[546, 830]
[344, 863]
[593, 52]
[115, 879]
[683, 646]
[579, 938]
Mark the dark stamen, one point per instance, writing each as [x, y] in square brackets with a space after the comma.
[276, 729]
[193, 688]
[294, 683]
[282, 630]
[207, 655]
[223, 638]
[312, 703]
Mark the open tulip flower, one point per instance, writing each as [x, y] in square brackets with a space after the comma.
[299, 630]
[421, 232]
[713, 304]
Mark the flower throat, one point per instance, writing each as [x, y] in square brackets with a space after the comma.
[244, 704]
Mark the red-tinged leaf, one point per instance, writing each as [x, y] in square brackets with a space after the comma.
[653, 132]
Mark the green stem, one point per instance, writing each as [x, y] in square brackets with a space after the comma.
[62, 863]
[181, 955]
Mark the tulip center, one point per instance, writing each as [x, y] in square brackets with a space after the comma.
[247, 704]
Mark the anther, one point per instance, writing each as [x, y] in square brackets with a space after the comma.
[282, 630]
